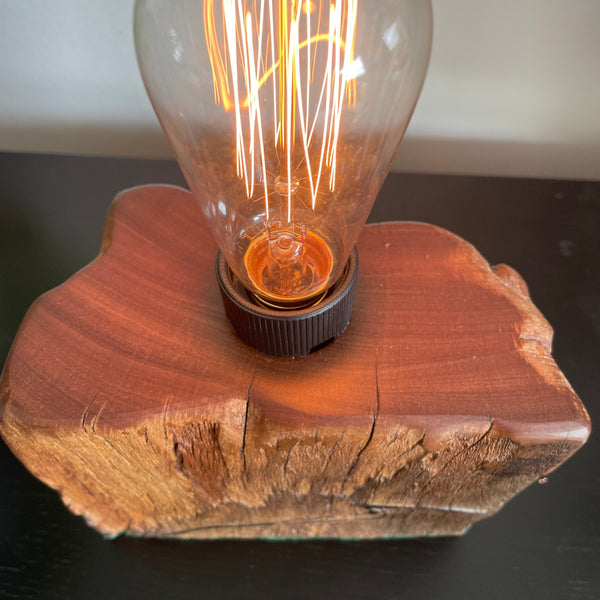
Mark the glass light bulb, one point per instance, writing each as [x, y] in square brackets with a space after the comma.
[284, 116]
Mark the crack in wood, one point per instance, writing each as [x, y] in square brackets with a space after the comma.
[147, 439]
[433, 478]
[377, 476]
[461, 487]
[178, 458]
[85, 414]
[481, 438]
[287, 460]
[371, 432]
[332, 451]
[315, 436]
[419, 442]
[164, 417]
[301, 522]
[96, 416]
[394, 438]
[243, 446]
[469, 447]
[445, 509]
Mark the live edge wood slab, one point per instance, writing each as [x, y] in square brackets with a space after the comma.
[128, 393]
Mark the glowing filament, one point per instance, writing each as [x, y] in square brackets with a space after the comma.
[280, 54]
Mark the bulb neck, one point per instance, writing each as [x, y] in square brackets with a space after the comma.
[298, 305]
[288, 331]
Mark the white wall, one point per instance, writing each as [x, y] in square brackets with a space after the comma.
[513, 87]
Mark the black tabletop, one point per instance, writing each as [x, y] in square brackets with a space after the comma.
[544, 544]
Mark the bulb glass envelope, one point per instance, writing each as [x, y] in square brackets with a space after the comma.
[284, 116]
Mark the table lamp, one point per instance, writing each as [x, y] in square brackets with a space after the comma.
[439, 403]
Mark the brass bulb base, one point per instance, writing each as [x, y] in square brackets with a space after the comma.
[281, 331]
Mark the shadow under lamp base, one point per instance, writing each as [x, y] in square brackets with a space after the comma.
[127, 391]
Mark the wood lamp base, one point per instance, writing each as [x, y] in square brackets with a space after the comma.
[127, 391]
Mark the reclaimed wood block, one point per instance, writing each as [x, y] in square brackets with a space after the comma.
[127, 391]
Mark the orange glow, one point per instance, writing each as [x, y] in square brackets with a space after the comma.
[282, 68]
[285, 266]
[309, 7]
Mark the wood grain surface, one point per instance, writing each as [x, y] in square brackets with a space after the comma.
[127, 392]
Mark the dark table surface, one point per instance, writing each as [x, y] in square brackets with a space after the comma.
[544, 544]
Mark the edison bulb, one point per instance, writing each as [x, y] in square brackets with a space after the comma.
[284, 116]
